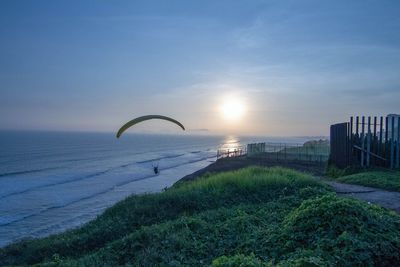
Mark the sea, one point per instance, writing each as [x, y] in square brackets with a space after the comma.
[54, 181]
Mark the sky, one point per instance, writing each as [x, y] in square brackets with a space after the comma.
[295, 66]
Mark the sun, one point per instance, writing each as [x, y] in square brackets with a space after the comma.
[232, 108]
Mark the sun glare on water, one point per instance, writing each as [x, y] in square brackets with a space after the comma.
[232, 108]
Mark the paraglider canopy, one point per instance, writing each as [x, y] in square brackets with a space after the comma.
[145, 118]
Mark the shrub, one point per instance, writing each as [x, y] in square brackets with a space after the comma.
[335, 172]
[238, 260]
[343, 231]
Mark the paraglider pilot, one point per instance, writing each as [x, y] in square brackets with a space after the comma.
[155, 169]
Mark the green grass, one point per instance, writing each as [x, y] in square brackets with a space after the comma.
[250, 217]
[389, 180]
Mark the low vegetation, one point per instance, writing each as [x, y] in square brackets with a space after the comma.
[375, 177]
[334, 172]
[385, 179]
[250, 217]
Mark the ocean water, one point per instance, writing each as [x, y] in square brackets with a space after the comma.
[53, 181]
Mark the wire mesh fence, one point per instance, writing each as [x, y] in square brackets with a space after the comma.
[312, 151]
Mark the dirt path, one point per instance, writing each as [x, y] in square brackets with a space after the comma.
[387, 199]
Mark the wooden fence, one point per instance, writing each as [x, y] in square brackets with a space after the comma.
[366, 141]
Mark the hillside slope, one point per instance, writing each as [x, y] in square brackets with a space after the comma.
[265, 216]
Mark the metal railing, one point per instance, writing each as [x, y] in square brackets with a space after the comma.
[232, 152]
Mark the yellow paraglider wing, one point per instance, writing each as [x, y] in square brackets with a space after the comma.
[145, 118]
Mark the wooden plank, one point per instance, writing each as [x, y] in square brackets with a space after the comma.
[362, 140]
[398, 144]
[335, 132]
[335, 143]
[368, 141]
[344, 138]
[357, 124]
[374, 142]
[386, 155]
[339, 144]
[386, 129]
[332, 147]
[392, 144]
[344, 143]
[380, 136]
[348, 147]
[351, 155]
[351, 124]
[357, 138]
